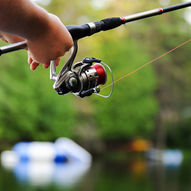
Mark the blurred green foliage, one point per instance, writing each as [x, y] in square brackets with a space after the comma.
[29, 107]
[132, 107]
[158, 95]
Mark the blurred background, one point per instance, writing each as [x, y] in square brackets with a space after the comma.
[140, 138]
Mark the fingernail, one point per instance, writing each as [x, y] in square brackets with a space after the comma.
[46, 65]
[34, 65]
[30, 60]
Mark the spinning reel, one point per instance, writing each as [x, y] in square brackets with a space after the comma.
[82, 78]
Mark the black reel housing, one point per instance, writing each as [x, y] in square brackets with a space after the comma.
[84, 78]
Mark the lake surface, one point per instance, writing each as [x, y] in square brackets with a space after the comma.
[102, 175]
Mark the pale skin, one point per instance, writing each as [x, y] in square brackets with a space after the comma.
[46, 37]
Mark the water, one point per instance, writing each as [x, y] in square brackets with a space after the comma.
[103, 175]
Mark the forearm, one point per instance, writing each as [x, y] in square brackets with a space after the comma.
[23, 18]
[46, 36]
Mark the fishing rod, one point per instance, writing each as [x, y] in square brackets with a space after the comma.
[83, 78]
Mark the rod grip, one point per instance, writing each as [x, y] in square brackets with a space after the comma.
[110, 23]
[79, 31]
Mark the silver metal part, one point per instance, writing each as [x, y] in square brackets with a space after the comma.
[92, 27]
[53, 75]
[89, 79]
[59, 78]
[83, 81]
[143, 15]
[112, 88]
[67, 67]
[73, 82]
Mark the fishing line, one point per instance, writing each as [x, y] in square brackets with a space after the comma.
[146, 64]
[83, 78]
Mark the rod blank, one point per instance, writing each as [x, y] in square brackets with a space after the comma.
[176, 7]
[81, 31]
[13, 47]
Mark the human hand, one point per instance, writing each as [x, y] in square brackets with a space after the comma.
[13, 39]
[55, 41]
[45, 47]
[6, 37]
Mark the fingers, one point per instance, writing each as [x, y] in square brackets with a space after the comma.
[3, 39]
[30, 60]
[11, 38]
[34, 65]
[48, 64]
[57, 61]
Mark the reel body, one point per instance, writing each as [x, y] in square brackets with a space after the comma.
[82, 78]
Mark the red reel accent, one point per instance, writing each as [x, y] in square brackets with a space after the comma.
[101, 73]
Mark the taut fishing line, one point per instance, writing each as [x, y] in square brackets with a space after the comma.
[146, 64]
[84, 78]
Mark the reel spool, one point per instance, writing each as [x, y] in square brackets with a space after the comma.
[82, 78]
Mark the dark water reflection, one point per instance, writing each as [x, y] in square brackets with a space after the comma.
[136, 175]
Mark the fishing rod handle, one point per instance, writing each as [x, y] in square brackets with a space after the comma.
[80, 31]
[77, 32]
